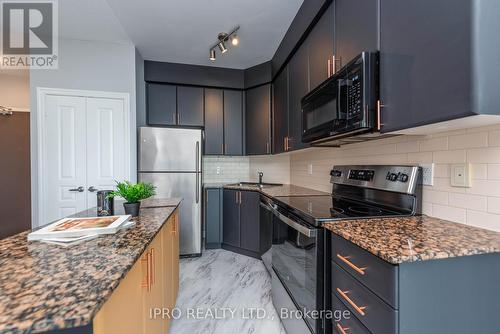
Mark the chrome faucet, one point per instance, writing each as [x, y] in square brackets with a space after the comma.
[261, 175]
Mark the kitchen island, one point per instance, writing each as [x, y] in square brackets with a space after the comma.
[105, 285]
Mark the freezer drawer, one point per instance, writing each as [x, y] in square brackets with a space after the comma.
[188, 187]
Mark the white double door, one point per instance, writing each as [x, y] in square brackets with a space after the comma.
[84, 150]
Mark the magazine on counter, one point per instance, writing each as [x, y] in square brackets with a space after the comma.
[79, 227]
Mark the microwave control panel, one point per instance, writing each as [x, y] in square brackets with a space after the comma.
[354, 98]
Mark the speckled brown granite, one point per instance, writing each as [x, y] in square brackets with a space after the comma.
[160, 202]
[418, 238]
[44, 287]
[279, 191]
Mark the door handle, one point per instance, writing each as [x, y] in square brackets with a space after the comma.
[92, 189]
[79, 189]
[197, 164]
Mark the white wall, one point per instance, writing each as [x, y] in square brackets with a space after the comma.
[15, 88]
[87, 65]
[478, 205]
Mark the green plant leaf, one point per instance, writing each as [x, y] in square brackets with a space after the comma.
[133, 193]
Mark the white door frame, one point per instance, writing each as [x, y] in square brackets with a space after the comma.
[42, 93]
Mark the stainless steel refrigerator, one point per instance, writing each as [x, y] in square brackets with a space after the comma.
[170, 159]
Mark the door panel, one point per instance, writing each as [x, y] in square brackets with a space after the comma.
[233, 122]
[249, 221]
[190, 105]
[186, 186]
[106, 137]
[214, 116]
[258, 120]
[320, 46]
[162, 149]
[212, 218]
[298, 87]
[356, 28]
[231, 216]
[64, 161]
[280, 111]
[161, 104]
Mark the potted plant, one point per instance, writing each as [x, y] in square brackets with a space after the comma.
[133, 194]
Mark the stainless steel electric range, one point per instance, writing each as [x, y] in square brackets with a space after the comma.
[299, 242]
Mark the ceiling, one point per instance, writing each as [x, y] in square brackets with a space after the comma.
[182, 31]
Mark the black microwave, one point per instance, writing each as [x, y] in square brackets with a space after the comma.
[343, 105]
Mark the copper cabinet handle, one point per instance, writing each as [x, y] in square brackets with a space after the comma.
[341, 329]
[152, 263]
[236, 197]
[147, 282]
[352, 265]
[359, 309]
[174, 226]
[379, 114]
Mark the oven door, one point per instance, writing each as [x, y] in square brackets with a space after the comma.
[297, 262]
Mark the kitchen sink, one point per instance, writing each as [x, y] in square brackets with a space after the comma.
[256, 184]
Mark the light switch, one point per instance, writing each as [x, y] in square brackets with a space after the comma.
[460, 175]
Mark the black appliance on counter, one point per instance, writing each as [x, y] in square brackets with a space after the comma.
[297, 256]
[344, 105]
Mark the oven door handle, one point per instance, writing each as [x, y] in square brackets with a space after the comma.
[266, 207]
[308, 232]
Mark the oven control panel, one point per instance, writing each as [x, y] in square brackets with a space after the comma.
[361, 174]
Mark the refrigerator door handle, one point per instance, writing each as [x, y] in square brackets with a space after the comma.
[197, 172]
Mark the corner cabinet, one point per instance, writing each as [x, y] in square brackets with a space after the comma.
[152, 282]
[258, 120]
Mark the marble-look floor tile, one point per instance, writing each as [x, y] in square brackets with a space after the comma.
[224, 281]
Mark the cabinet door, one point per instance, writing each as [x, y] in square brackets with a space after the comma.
[161, 104]
[231, 216]
[168, 271]
[425, 62]
[122, 313]
[233, 122]
[249, 221]
[356, 28]
[214, 121]
[213, 237]
[280, 112]
[175, 254]
[298, 87]
[258, 120]
[320, 46]
[190, 105]
[154, 294]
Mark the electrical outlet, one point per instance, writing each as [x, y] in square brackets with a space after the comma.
[217, 170]
[310, 169]
[427, 174]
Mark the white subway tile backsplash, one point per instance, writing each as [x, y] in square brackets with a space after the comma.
[478, 205]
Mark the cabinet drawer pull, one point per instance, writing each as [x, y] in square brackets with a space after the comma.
[146, 283]
[152, 263]
[341, 329]
[350, 264]
[359, 309]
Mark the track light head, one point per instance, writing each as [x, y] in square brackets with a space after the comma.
[212, 54]
[222, 47]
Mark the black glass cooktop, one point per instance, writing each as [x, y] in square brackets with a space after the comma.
[317, 209]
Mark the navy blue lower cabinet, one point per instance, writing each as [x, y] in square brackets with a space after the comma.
[458, 295]
[213, 218]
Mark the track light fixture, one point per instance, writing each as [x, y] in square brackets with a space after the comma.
[221, 44]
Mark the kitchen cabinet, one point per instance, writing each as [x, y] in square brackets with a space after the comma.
[214, 122]
[280, 112]
[152, 282]
[320, 47]
[233, 122]
[298, 85]
[425, 62]
[161, 104]
[258, 120]
[190, 106]
[241, 223]
[356, 29]
[213, 218]
[249, 221]
[231, 218]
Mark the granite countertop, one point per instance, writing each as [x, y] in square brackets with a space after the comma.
[46, 287]
[160, 202]
[418, 238]
[284, 190]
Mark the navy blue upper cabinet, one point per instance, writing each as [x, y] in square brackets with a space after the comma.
[233, 122]
[438, 61]
[298, 85]
[190, 106]
[280, 112]
[356, 29]
[258, 120]
[214, 121]
[320, 46]
[161, 104]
